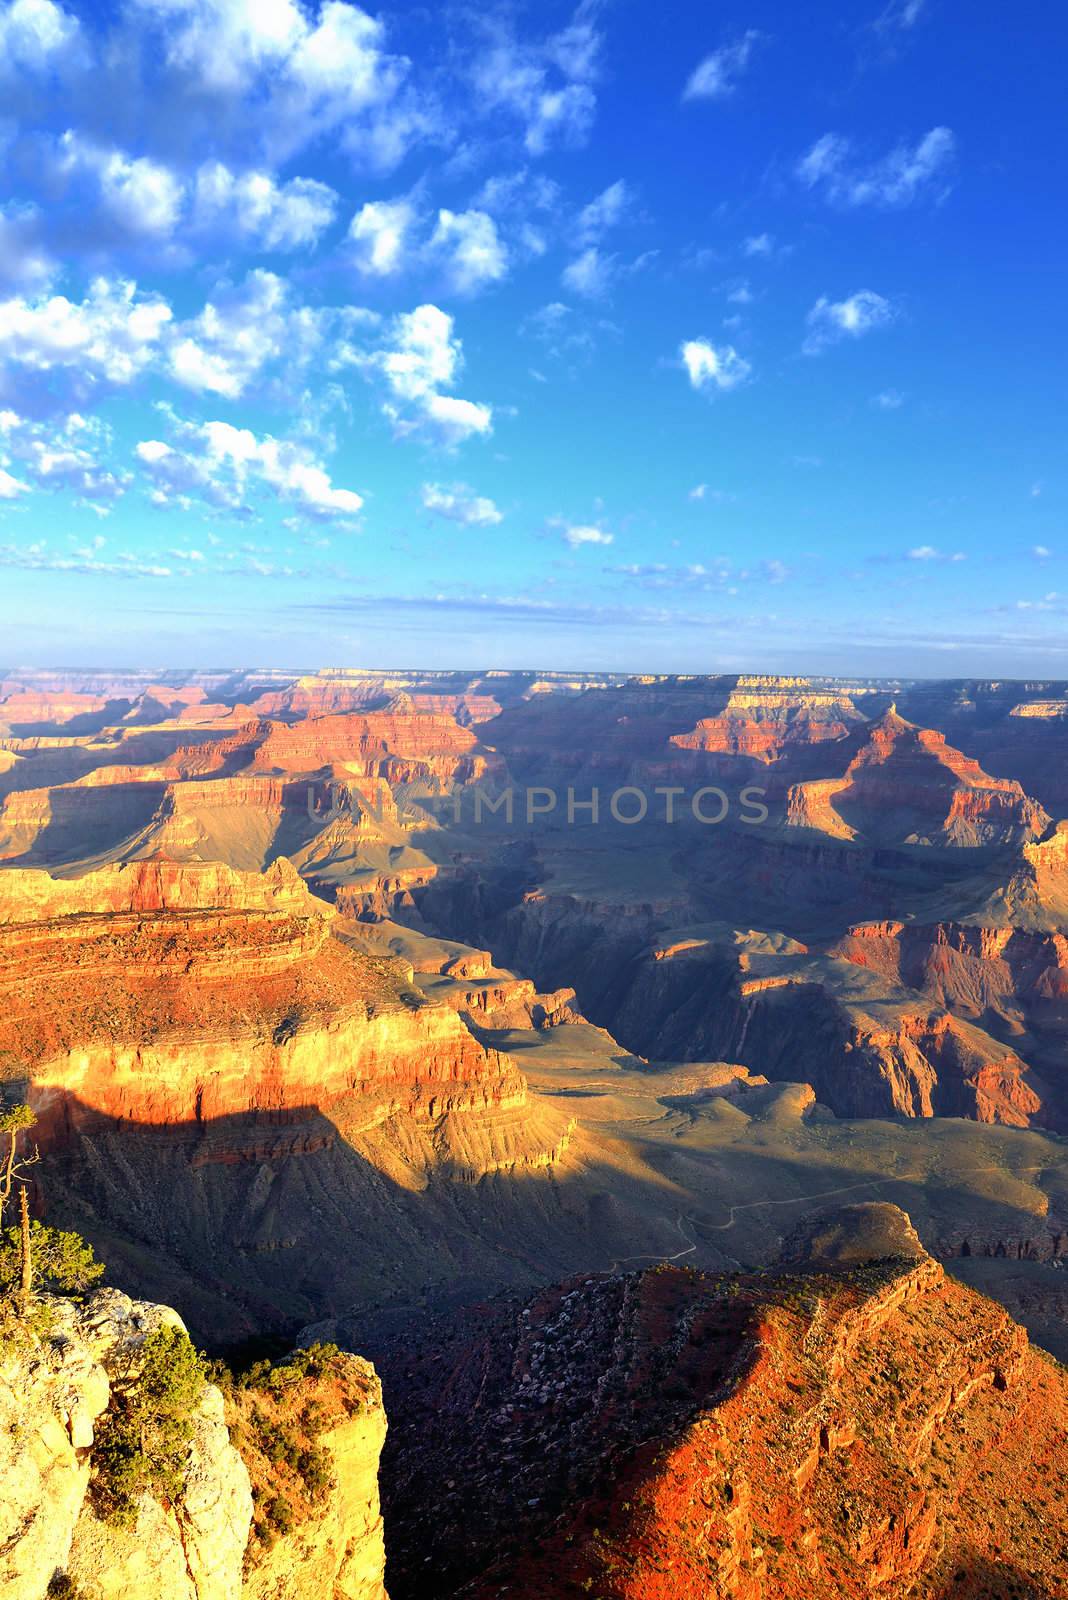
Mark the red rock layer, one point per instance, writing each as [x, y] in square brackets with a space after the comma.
[827, 1433]
[906, 783]
[167, 994]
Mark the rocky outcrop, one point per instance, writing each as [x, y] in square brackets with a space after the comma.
[853, 1423]
[906, 785]
[54, 1387]
[311, 1433]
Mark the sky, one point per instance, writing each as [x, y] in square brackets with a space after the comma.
[649, 336]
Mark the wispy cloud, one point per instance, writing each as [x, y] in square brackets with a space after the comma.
[716, 76]
[907, 173]
[457, 503]
[546, 84]
[832, 320]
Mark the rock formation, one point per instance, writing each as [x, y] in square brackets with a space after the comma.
[854, 1422]
[54, 1388]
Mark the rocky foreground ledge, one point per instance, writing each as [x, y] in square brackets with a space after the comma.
[56, 1387]
[849, 1423]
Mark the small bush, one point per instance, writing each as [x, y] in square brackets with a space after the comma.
[143, 1437]
[63, 1263]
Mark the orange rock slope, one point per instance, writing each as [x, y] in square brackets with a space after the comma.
[851, 1424]
[173, 994]
[906, 784]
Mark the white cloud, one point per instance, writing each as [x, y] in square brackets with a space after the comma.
[276, 216]
[715, 77]
[899, 14]
[546, 85]
[831, 320]
[239, 331]
[590, 274]
[759, 244]
[1041, 552]
[889, 400]
[928, 552]
[221, 466]
[11, 487]
[469, 244]
[605, 211]
[897, 180]
[457, 503]
[379, 233]
[578, 534]
[109, 338]
[63, 455]
[35, 36]
[698, 491]
[422, 358]
[293, 77]
[519, 191]
[706, 364]
[141, 195]
[138, 197]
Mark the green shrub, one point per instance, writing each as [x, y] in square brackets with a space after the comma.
[63, 1263]
[144, 1435]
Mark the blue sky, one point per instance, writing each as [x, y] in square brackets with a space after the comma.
[672, 337]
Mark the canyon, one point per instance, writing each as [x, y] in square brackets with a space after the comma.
[329, 1035]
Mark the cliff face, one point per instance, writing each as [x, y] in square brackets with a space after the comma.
[56, 1386]
[53, 1391]
[167, 994]
[853, 1423]
[311, 1435]
[906, 784]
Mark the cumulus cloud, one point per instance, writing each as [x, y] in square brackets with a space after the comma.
[546, 85]
[378, 234]
[469, 245]
[901, 177]
[888, 400]
[37, 36]
[64, 351]
[709, 366]
[294, 77]
[420, 359]
[10, 486]
[66, 455]
[255, 207]
[832, 320]
[139, 195]
[457, 503]
[388, 237]
[577, 534]
[716, 76]
[240, 330]
[222, 466]
[759, 244]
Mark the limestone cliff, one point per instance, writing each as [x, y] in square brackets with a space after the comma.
[245, 1525]
[54, 1388]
